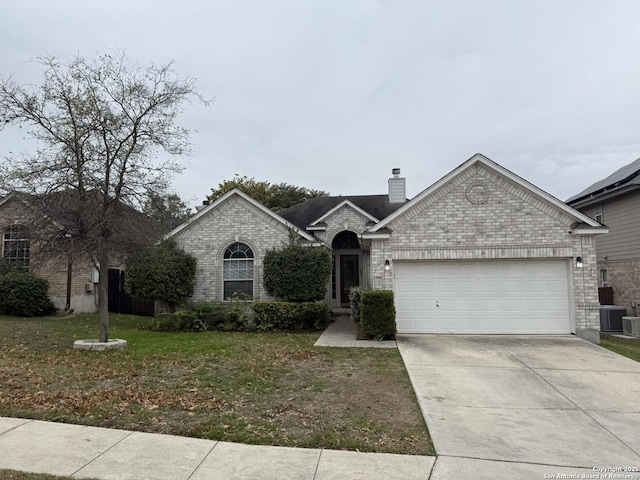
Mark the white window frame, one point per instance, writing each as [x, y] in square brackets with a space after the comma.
[604, 278]
[16, 246]
[237, 259]
[598, 215]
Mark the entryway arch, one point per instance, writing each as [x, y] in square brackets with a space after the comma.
[347, 259]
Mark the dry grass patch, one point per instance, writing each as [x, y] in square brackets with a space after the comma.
[261, 388]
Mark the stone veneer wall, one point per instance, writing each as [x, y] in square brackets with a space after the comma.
[508, 223]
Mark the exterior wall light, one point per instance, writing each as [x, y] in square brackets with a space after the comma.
[579, 263]
[387, 265]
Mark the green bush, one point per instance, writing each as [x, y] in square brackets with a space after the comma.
[161, 272]
[22, 294]
[377, 315]
[354, 300]
[297, 273]
[290, 316]
[211, 315]
[180, 321]
[206, 316]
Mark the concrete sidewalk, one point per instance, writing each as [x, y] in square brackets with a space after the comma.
[102, 453]
[343, 332]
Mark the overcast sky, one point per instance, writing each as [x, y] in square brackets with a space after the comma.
[333, 94]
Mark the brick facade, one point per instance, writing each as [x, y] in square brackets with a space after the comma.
[343, 219]
[482, 212]
[505, 222]
[624, 278]
[234, 220]
[54, 269]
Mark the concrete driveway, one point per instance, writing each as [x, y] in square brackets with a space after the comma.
[552, 405]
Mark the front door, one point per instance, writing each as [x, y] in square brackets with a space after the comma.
[349, 276]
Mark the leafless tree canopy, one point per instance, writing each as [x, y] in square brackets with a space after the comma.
[104, 128]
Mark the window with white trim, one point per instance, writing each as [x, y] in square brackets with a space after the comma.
[16, 245]
[597, 214]
[237, 270]
[604, 278]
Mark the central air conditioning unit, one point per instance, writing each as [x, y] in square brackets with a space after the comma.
[631, 326]
[611, 318]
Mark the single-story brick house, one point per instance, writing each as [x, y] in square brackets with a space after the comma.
[479, 251]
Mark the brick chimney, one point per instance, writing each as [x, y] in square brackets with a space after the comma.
[397, 187]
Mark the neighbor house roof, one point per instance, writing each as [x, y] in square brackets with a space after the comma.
[306, 213]
[624, 178]
[59, 216]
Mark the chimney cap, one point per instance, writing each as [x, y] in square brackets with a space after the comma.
[395, 171]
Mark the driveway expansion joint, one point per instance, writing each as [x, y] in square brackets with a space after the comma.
[518, 462]
[586, 412]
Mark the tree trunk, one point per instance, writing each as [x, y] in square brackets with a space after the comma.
[103, 297]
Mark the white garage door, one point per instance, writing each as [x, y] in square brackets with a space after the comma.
[482, 297]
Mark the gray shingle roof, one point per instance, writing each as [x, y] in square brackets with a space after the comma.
[625, 176]
[305, 213]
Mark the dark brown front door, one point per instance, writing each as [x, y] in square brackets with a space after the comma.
[349, 276]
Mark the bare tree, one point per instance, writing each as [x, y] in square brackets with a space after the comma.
[104, 127]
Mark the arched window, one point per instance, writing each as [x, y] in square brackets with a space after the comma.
[237, 267]
[15, 245]
[345, 240]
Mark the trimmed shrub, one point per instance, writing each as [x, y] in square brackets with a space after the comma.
[297, 273]
[377, 315]
[22, 294]
[354, 300]
[211, 315]
[236, 315]
[290, 316]
[181, 321]
[161, 272]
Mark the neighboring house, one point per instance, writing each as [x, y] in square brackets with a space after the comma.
[479, 251]
[615, 202]
[72, 278]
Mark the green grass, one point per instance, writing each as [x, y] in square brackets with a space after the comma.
[257, 388]
[629, 347]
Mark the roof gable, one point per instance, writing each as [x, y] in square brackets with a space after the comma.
[348, 204]
[237, 192]
[312, 211]
[479, 159]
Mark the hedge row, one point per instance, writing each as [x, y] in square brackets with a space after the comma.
[289, 316]
[203, 317]
[265, 316]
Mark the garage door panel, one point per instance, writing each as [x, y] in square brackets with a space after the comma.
[483, 297]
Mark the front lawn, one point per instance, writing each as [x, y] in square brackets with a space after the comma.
[260, 388]
[629, 347]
